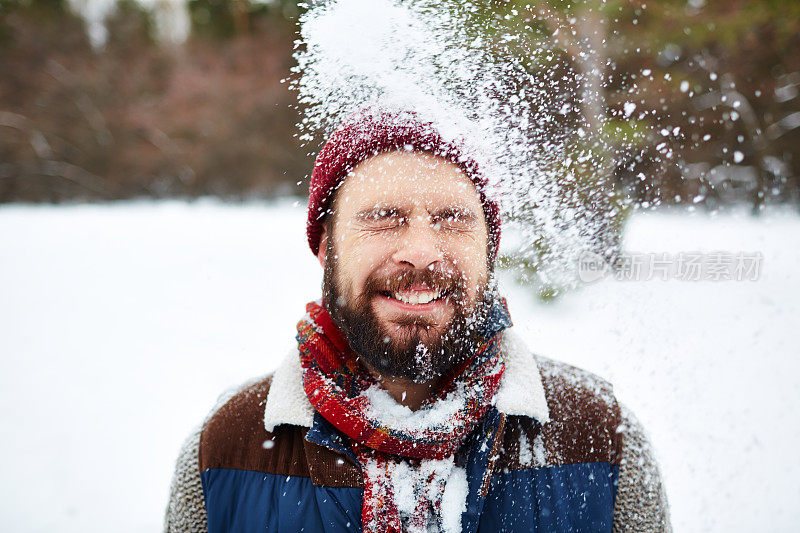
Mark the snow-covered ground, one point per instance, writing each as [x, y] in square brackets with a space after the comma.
[120, 325]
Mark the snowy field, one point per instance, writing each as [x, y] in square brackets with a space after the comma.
[120, 325]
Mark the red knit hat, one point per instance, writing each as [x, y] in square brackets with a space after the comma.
[371, 132]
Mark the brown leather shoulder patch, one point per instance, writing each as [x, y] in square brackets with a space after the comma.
[235, 437]
[584, 417]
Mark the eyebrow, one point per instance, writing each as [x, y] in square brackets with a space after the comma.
[380, 211]
[464, 214]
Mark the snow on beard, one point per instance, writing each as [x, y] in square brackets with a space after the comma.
[422, 353]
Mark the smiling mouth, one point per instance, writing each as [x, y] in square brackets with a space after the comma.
[416, 297]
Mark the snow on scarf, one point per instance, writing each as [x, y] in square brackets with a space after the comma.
[407, 458]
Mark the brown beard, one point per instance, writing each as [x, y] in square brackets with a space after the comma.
[421, 354]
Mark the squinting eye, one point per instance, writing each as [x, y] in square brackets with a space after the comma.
[450, 221]
[383, 219]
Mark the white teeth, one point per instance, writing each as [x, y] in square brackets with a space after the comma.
[416, 297]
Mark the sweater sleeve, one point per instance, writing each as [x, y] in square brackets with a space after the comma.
[641, 504]
[186, 511]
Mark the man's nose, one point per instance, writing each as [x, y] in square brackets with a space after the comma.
[418, 247]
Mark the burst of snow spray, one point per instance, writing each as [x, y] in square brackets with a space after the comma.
[421, 56]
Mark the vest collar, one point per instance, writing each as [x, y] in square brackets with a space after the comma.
[521, 391]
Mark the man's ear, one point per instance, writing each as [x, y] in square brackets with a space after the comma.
[323, 247]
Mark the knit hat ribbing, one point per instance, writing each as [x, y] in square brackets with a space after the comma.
[371, 132]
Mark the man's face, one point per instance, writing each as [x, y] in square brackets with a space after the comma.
[406, 265]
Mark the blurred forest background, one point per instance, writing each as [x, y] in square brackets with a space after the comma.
[698, 102]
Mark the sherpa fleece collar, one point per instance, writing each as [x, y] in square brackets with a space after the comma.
[521, 391]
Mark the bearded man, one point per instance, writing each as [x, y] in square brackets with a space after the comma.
[409, 404]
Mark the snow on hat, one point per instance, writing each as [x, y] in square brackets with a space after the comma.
[371, 132]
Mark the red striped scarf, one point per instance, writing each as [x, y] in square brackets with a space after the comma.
[335, 383]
